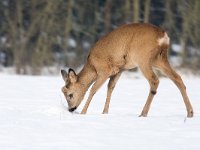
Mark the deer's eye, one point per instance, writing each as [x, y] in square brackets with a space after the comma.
[70, 96]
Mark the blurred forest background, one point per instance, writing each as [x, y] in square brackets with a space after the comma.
[38, 34]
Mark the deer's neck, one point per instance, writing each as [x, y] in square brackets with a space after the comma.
[87, 76]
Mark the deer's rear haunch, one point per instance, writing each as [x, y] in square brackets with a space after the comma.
[129, 46]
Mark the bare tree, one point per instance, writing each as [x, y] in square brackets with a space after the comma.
[68, 24]
[186, 11]
[127, 10]
[136, 11]
[107, 22]
[147, 7]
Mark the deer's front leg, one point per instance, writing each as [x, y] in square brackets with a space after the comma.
[111, 85]
[99, 82]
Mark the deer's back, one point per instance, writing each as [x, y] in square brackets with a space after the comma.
[125, 46]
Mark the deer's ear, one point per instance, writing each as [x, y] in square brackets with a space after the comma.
[64, 75]
[72, 75]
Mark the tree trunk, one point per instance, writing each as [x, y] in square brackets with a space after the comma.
[186, 16]
[136, 11]
[107, 23]
[68, 24]
[147, 10]
[127, 10]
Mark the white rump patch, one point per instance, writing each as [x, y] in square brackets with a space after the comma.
[163, 40]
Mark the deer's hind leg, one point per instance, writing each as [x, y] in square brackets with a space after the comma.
[153, 82]
[165, 67]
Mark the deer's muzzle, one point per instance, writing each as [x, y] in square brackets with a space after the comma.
[72, 109]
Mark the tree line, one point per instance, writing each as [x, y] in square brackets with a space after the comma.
[41, 33]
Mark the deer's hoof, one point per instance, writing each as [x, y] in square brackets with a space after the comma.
[143, 115]
[83, 112]
[190, 114]
[104, 112]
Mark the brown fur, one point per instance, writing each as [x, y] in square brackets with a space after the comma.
[129, 46]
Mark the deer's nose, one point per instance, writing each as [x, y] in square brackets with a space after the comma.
[72, 109]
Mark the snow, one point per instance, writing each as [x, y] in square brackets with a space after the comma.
[34, 116]
[177, 48]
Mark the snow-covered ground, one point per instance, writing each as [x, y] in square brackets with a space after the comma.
[34, 116]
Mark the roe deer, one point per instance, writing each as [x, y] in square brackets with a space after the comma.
[129, 46]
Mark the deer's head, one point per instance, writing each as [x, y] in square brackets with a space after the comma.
[72, 89]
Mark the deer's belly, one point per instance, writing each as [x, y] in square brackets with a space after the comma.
[131, 61]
